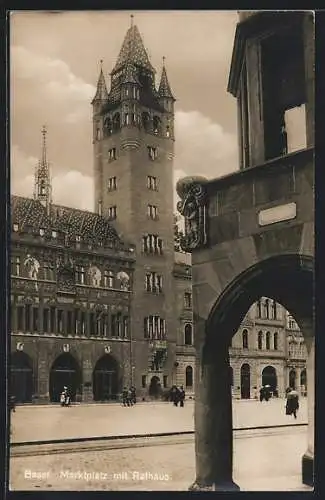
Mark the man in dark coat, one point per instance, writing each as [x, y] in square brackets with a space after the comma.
[292, 404]
[181, 396]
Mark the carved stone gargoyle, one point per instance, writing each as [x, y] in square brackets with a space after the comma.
[193, 207]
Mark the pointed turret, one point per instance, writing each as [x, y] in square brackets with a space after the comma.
[164, 87]
[133, 51]
[43, 185]
[101, 91]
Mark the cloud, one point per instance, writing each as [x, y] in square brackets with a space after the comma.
[203, 147]
[70, 188]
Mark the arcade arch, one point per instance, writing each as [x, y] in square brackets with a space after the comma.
[287, 279]
[65, 371]
[105, 379]
[21, 377]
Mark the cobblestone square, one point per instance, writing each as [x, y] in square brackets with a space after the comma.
[33, 423]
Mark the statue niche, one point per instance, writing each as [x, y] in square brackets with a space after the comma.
[124, 280]
[193, 207]
[95, 276]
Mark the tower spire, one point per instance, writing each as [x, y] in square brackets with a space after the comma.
[43, 185]
[101, 90]
[133, 50]
[164, 87]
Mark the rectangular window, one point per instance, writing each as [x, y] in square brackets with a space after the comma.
[52, 320]
[152, 183]
[83, 323]
[188, 300]
[125, 327]
[35, 319]
[152, 153]
[76, 322]
[111, 185]
[152, 212]
[153, 282]
[46, 317]
[112, 154]
[108, 279]
[69, 322]
[20, 318]
[144, 381]
[60, 321]
[111, 213]
[92, 325]
[165, 379]
[27, 317]
[152, 244]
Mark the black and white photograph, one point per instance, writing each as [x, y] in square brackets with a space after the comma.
[161, 250]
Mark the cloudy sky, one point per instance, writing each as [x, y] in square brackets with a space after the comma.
[54, 70]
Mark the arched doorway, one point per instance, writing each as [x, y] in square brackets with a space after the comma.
[245, 381]
[65, 371]
[292, 379]
[105, 379]
[155, 387]
[189, 377]
[21, 375]
[288, 279]
[269, 377]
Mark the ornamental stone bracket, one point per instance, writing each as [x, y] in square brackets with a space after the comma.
[193, 207]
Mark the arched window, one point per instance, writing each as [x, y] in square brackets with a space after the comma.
[259, 308]
[167, 131]
[260, 340]
[274, 307]
[245, 339]
[266, 309]
[189, 376]
[267, 340]
[188, 334]
[275, 341]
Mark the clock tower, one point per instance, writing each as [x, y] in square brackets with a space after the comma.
[133, 138]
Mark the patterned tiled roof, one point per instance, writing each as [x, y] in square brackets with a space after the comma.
[27, 212]
[164, 87]
[130, 75]
[133, 51]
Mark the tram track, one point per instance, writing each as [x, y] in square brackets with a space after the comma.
[101, 443]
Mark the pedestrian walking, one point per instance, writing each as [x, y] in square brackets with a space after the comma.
[181, 396]
[262, 393]
[125, 394]
[292, 404]
[133, 395]
[65, 398]
[130, 397]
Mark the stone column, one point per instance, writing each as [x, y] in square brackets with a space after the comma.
[87, 389]
[213, 422]
[308, 458]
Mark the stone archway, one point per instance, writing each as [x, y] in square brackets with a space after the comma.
[269, 377]
[21, 377]
[105, 379]
[288, 279]
[65, 371]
